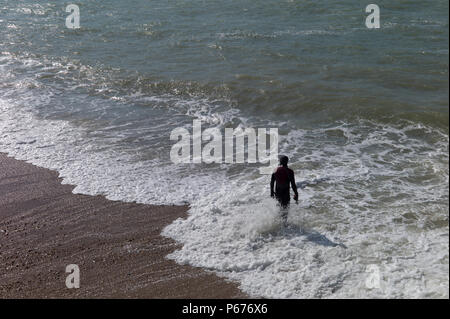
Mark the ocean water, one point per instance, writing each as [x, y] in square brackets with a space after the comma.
[362, 113]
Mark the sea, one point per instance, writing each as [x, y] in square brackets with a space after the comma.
[362, 113]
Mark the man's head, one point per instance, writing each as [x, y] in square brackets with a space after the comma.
[284, 160]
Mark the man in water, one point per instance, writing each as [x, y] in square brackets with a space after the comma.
[283, 177]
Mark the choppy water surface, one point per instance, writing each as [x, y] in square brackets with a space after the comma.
[363, 114]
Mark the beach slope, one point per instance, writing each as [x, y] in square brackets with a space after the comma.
[44, 227]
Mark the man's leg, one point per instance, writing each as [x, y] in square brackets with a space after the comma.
[284, 200]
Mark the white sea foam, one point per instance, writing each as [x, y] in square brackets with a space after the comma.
[334, 234]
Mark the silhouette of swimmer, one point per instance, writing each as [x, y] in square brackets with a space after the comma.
[283, 177]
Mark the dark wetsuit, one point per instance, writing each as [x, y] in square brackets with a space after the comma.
[284, 177]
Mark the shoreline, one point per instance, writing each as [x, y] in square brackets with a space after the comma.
[118, 247]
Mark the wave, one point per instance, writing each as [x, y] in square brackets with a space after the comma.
[382, 199]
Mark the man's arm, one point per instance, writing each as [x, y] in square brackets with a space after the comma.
[294, 186]
[272, 183]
